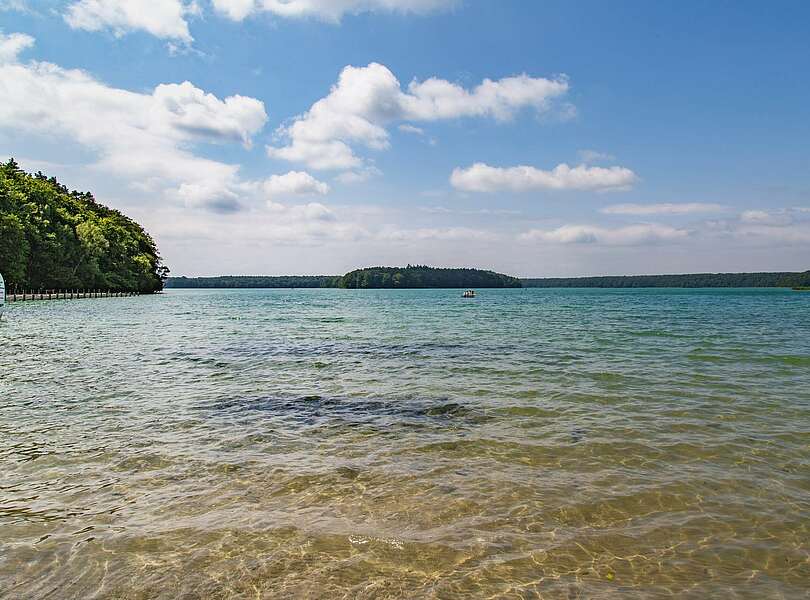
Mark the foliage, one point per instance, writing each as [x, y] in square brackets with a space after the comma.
[426, 277]
[698, 280]
[255, 281]
[54, 238]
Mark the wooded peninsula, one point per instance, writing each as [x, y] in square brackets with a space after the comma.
[55, 238]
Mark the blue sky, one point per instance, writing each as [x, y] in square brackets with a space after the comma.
[316, 136]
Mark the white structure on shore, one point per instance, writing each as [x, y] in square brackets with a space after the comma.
[2, 295]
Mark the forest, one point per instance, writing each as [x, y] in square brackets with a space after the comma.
[425, 277]
[374, 277]
[255, 281]
[697, 280]
[429, 277]
[55, 238]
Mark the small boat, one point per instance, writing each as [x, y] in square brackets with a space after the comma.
[2, 295]
[468, 294]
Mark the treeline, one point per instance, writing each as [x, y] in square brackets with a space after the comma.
[54, 238]
[255, 281]
[425, 277]
[696, 280]
[375, 277]
[429, 277]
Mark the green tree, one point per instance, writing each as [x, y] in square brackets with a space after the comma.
[13, 247]
[51, 237]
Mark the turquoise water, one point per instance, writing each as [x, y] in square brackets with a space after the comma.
[407, 444]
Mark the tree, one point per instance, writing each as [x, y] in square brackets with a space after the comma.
[13, 247]
[51, 237]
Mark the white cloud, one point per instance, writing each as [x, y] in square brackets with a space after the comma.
[481, 177]
[686, 208]
[314, 211]
[327, 10]
[215, 195]
[772, 232]
[443, 210]
[763, 217]
[775, 217]
[145, 137]
[358, 176]
[235, 10]
[311, 224]
[16, 5]
[366, 99]
[294, 183]
[452, 234]
[407, 128]
[205, 115]
[631, 235]
[440, 99]
[11, 45]
[150, 141]
[162, 18]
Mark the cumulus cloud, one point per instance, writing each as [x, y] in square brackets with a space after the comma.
[367, 99]
[327, 10]
[147, 137]
[150, 140]
[164, 19]
[204, 115]
[686, 208]
[631, 235]
[11, 46]
[481, 177]
[294, 183]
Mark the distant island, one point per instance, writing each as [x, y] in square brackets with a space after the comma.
[429, 277]
[54, 238]
[370, 278]
[425, 277]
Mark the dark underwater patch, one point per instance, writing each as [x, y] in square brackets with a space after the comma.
[310, 410]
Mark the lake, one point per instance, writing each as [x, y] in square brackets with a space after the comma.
[407, 444]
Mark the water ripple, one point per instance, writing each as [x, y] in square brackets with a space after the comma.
[405, 444]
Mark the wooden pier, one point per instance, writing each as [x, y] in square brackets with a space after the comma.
[67, 295]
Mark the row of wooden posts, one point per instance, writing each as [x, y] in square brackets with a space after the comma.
[66, 295]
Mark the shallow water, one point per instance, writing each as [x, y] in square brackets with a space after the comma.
[407, 444]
